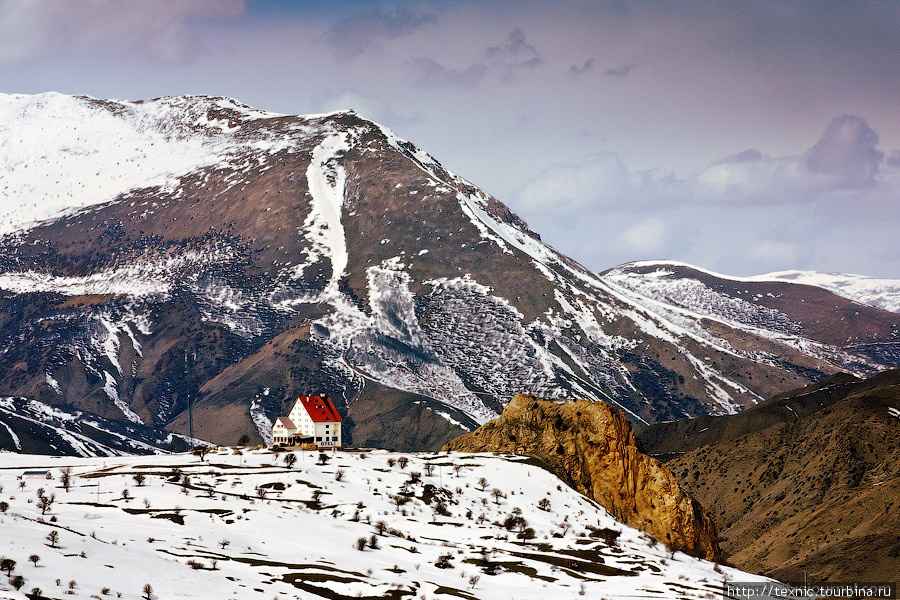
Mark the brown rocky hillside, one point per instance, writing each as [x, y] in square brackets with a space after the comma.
[804, 484]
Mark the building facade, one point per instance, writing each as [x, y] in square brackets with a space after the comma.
[312, 418]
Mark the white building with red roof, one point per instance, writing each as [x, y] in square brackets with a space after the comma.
[314, 419]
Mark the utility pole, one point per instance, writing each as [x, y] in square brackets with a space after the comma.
[189, 360]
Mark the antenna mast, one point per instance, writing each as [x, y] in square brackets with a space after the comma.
[188, 368]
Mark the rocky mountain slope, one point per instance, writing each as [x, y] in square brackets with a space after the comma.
[593, 448]
[804, 484]
[363, 525]
[194, 249]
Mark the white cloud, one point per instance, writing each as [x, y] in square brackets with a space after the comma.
[778, 252]
[368, 106]
[646, 237]
[844, 163]
[601, 181]
[164, 28]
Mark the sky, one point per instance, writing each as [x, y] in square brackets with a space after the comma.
[743, 137]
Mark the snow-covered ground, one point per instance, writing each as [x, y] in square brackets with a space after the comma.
[197, 529]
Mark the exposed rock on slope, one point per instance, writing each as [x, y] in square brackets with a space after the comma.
[804, 484]
[591, 446]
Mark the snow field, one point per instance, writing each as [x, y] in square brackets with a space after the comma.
[235, 544]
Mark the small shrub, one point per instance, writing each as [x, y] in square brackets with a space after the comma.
[361, 543]
[444, 561]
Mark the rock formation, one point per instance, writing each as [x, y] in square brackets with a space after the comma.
[592, 447]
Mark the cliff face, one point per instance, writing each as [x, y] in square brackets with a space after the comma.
[592, 447]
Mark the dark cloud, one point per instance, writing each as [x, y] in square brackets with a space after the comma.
[588, 65]
[513, 56]
[846, 152]
[166, 32]
[430, 73]
[622, 71]
[359, 32]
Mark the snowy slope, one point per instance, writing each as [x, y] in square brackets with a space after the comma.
[59, 153]
[874, 291]
[287, 545]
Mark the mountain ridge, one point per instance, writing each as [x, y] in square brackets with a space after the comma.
[326, 253]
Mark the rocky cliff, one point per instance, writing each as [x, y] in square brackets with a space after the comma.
[592, 447]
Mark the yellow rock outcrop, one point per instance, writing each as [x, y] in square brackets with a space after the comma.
[592, 447]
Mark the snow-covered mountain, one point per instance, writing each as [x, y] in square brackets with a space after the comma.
[371, 525]
[287, 255]
[874, 291]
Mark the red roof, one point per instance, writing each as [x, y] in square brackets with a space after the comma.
[288, 424]
[320, 409]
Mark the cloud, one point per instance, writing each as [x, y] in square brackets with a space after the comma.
[588, 65]
[431, 74]
[776, 252]
[646, 237]
[621, 71]
[844, 159]
[602, 181]
[843, 165]
[513, 56]
[368, 106]
[363, 31]
[846, 152]
[166, 30]
[506, 60]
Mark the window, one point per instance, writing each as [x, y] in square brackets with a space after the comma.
[318, 439]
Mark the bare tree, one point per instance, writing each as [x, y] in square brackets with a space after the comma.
[139, 479]
[45, 502]
[65, 478]
[7, 564]
[34, 559]
[148, 591]
[53, 538]
[290, 459]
